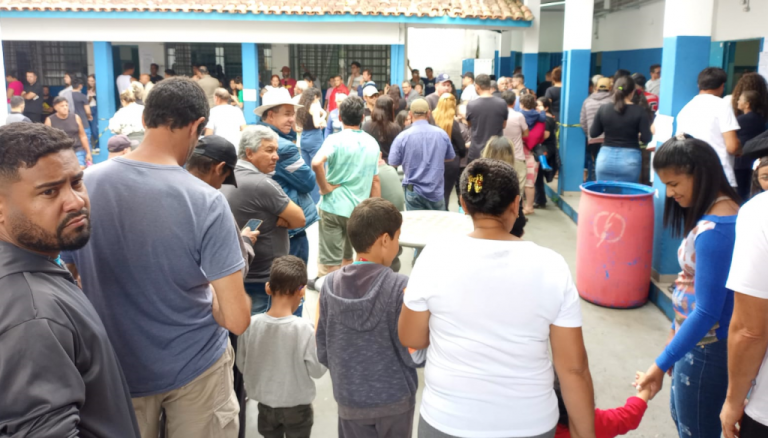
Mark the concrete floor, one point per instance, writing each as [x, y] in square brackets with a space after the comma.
[619, 342]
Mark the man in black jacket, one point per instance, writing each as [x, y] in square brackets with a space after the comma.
[59, 375]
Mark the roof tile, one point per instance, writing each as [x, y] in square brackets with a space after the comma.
[485, 9]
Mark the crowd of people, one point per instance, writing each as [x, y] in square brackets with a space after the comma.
[132, 315]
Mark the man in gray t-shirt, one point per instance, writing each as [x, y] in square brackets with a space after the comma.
[257, 196]
[163, 271]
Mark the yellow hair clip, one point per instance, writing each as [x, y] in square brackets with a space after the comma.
[477, 180]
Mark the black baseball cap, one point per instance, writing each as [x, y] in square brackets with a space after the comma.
[219, 149]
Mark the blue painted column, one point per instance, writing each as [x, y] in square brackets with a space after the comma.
[104, 70]
[397, 64]
[497, 64]
[686, 52]
[250, 59]
[531, 70]
[577, 53]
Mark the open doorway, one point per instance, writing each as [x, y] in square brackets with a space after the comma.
[736, 58]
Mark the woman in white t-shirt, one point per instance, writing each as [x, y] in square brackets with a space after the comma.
[489, 321]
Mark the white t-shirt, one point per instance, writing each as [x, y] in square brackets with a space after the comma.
[123, 83]
[469, 93]
[356, 81]
[747, 277]
[707, 117]
[488, 371]
[226, 120]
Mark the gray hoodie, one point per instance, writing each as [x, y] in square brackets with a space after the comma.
[373, 375]
[59, 376]
[589, 110]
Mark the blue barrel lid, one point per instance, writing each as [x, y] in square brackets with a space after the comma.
[617, 189]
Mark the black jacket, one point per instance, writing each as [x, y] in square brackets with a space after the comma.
[59, 376]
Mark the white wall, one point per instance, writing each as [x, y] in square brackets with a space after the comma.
[732, 23]
[630, 29]
[551, 36]
[222, 31]
[281, 56]
[445, 57]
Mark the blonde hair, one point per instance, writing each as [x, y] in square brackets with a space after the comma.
[445, 112]
[128, 96]
[500, 148]
[138, 90]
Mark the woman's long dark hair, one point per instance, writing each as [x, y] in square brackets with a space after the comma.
[623, 88]
[394, 94]
[693, 157]
[307, 98]
[383, 126]
[640, 100]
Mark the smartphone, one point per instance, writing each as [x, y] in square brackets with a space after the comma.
[254, 224]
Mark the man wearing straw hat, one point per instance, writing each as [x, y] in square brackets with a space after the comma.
[278, 112]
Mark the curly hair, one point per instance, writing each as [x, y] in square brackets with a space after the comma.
[23, 144]
[500, 187]
[751, 82]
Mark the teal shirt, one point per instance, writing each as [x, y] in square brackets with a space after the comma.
[353, 161]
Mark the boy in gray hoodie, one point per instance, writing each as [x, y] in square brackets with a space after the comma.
[374, 376]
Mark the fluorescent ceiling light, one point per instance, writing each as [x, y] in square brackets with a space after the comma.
[547, 5]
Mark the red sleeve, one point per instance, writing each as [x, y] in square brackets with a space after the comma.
[535, 136]
[614, 422]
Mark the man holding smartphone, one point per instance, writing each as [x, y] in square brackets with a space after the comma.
[258, 196]
[213, 162]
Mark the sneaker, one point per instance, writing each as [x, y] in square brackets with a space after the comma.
[539, 206]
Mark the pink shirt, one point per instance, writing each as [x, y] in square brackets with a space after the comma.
[17, 88]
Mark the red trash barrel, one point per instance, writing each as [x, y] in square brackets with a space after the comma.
[615, 243]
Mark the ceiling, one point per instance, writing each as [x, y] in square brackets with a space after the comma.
[600, 9]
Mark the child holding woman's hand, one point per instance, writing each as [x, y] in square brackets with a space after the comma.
[611, 422]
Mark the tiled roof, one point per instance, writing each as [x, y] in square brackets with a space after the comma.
[484, 9]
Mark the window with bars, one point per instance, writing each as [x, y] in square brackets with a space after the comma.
[265, 62]
[325, 60]
[49, 59]
[182, 56]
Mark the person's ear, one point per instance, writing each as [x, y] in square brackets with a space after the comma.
[196, 127]
[267, 289]
[219, 168]
[303, 291]
[515, 206]
[463, 205]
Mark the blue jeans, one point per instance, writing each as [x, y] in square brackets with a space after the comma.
[300, 246]
[80, 154]
[699, 385]
[261, 302]
[619, 164]
[310, 144]
[414, 201]
[590, 159]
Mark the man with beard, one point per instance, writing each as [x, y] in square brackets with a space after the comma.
[58, 372]
[163, 270]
